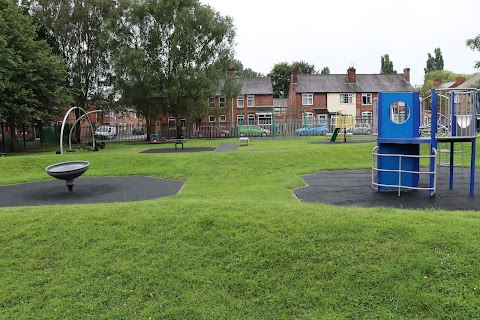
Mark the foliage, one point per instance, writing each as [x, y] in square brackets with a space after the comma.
[442, 75]
[436, 62]
[233, 244]
[79, 28]
[474, 44]
[242, 72]
[170, 56]
[386, 65]
[33, 78]
[281, 73]
[325, 70]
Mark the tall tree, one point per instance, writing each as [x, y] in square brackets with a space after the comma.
[33, 78]
[386, 65]
[176, 52]
[242, 72]
[434, 62]
[325, 70]
[80, 29]
[281, 73]
[474, 44]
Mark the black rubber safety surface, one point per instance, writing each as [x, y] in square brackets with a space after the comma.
[88, 190]
[354, 188]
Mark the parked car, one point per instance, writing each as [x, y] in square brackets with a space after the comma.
[252, 131]
[314, 130]
[361, 128]
[138, 130]
[211, 132]
[105, 132]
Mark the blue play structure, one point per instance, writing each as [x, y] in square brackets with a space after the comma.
[404, 124]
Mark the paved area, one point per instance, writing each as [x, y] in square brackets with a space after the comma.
[227, 147]
[171, 149]
[354, 188]
[88, 190]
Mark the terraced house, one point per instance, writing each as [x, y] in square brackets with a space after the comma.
[323, 96]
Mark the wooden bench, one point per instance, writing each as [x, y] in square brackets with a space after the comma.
[243, 141]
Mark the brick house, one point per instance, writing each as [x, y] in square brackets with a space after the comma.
[320, 96]
[253, 105]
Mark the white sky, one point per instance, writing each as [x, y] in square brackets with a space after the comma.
[340, 33]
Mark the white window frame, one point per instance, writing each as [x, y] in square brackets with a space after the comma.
[211, 119]
[367, 114]
[170, 121]
[240, 118]
[222, 118]
[211, 102]
[307, 99]
[222, 102]
[264, 118]
[346, 98]
[308, 118]
[250, 101]
[240, 102]
[322, 119]
[251, 119]
[367, 99]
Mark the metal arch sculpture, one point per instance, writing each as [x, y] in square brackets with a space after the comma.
[63, 126]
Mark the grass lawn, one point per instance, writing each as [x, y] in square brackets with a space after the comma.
[235, 243]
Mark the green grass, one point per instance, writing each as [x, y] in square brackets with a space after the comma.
[235, 243]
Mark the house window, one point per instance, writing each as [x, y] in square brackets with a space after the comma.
[308, 118]
[307, 99]
[223, 118]
[240, 119]
[211, 119]
[240, 102]
[366, 98]
[265, 118]
[367, 114]
[171, 123]
[211, 102]
[322, 119]
[251, 119]
[346, 98]
[223, 102]
[182, 122]
[251, 101]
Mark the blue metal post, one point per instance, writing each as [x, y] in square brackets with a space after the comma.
[433, 132]
[472, 167]
[452, 145]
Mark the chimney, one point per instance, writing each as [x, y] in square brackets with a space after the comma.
[437, 82]
[294, 75]
[406, 75]
[231, 72]
[352, 78]
[458, 81]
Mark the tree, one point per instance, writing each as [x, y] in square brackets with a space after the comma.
[175, 53]
[325, 70]
[281, 73]
[80, 29]
[434, 62]
[386, 65]
[33, 78]
[474, 44]
[242, 72]
[304, 67]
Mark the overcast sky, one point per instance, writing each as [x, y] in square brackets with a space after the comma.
[340, 33]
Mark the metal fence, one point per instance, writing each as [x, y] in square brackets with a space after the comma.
[39, 136]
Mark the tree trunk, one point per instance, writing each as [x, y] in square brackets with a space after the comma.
[13, 141]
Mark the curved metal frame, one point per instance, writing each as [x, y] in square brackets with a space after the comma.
[63, 127]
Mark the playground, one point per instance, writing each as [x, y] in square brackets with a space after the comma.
[239, 226]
